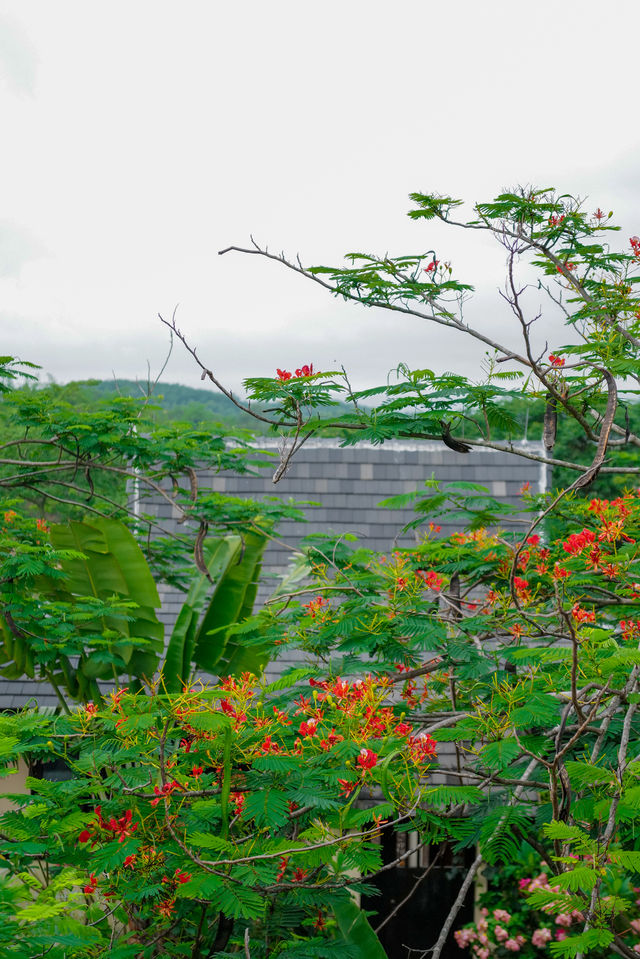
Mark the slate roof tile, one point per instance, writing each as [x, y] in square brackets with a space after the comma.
[349, 483]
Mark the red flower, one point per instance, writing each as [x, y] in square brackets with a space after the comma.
[283, 375]
[630, 630]
[430, 578]
[367, 759]
[237, 799]
[299, 874]
[166, 907]
[90, 710]
[556, 220]
[577, 542]
[635, 246]
[308, 728]
[90, 888]
[432, 266]
[315, 605]
[331, 740]
[166, 790]
[599, 215]
[196, 771]
[122, 827]
[556, 361]
[582, 615]
[422, 748]
[402, 729]
[282, 868]
[129, 862]
[345, 787]
[305, 370]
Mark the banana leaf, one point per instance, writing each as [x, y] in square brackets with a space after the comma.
[219, 555]
[112, 565]
[355, 930]
[232, 601]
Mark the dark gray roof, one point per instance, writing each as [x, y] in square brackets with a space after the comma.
[348, 484]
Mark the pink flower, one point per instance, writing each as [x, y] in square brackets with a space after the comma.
[564, 919]
[512, 945]
[500, 933]
[465, 936]
[635, 925]
[561, 934]
[482, 953]
[501, 915]
[541, 937]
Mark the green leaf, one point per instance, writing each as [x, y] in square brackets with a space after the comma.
[268, 807]
[355, 930]
[104, 561]
[499, 754]
[240, 903]
[232, 601]
[629, 859]
[586, 774]
[220, 554]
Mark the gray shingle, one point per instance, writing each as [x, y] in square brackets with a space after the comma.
[348, 483]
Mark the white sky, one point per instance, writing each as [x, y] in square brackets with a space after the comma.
[141, 136]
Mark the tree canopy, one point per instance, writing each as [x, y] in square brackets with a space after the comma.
[240, 815]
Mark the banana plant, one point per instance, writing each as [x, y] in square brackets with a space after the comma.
[107, 584]
[201, 635]
[106, 565]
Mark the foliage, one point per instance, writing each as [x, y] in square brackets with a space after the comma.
[192, 818]
[513, 643]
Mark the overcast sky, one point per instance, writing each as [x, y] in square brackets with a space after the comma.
[139, 137]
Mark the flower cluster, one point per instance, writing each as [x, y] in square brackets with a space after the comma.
[430, 578]
[315, 606]
[109, 829]
[576, 542]
[284, 375]
[488, 934]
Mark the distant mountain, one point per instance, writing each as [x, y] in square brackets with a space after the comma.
[179, 403]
